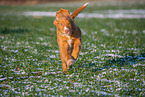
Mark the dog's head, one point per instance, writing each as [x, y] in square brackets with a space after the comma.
[63, 22]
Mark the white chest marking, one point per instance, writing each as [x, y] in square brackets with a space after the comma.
[70, 42]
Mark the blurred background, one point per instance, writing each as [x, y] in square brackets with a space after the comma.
[33, 2]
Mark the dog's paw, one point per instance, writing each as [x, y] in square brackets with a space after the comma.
[65, 72]
[70, 62]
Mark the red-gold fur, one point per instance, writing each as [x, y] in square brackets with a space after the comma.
[68, 36]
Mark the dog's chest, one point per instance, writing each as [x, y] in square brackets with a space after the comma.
[70, 41]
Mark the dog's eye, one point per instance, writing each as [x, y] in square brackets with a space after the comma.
[61, 23]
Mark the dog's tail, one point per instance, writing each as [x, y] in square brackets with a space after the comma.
[77, 11]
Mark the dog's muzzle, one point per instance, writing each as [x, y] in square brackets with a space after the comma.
[67, 30]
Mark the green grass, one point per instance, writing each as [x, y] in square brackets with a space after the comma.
[111, 62]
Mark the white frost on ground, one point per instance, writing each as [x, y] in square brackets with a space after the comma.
[113, 55]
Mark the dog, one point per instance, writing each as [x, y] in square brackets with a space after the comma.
[68, 36]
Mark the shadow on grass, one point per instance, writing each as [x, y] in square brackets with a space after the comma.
[6, 30]
[119, 62]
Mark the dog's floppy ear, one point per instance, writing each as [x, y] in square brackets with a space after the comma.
[55, 22]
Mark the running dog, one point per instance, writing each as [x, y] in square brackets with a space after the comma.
[68, 36]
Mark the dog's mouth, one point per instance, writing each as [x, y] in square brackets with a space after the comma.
[67, 31]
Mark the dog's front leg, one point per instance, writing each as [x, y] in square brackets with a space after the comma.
[76, 50]
[63, 63]
[65, 55]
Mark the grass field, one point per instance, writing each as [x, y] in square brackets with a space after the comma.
[111, 62]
